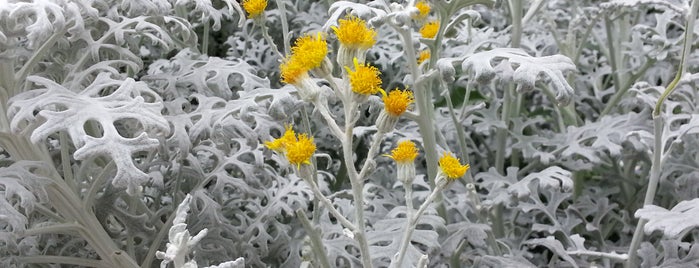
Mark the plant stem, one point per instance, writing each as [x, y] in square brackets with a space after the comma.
[319, 252]
[410, 227]
[285, 26]
[658, 123]
[205, 39]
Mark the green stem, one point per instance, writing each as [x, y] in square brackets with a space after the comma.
[658, 122]
[205, 39]
[285, 26]
[317, 245]
[73, 261]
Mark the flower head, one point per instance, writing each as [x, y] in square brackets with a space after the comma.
[451, 167]
[396, 102]
[281, 143]
[404, 153]
[429, 30]
[424, 9]
[354, 33]
[300, 151]
[254, 7]
[364, 79]
[309, 51]
[292, 70]
[424, 55]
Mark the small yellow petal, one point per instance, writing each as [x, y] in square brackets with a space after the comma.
[429, 30]
[451, 167]
[397, 101]
[424, 9]
[354, 33]
[300, 151]
[404, 153]
[365, 79]
[254, 7]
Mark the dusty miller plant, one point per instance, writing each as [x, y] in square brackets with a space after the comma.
[179, 133]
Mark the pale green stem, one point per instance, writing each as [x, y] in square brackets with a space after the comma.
[329, 205]
[205, 38]
[317, 245]
[155, 245]
[410, 227]
[36, 57]
[265, 35]
[73, 261]
[65, 162]
[357, 186]
[285, 26]
[658, 122]
[655, 170]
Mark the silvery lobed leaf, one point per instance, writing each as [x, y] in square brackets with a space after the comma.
[550, 178]
[674, 223]
[111, 117]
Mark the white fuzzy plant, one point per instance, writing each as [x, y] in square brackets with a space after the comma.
[102, 136]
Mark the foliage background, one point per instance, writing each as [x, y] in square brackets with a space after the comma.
[114, 110]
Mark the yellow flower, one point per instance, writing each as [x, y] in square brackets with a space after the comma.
[254, 7]
[424, 55]
[404, 153]
[364, 79]
[397, 101]
[429, 30]
[292, 70]
[309, 52]
[424, 9]
[300, 151]
[281, 143]
[451, 167]
[354, 33]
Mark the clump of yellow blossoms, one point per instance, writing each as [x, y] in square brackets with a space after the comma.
[354, 33]
[396, 102]
[404, 153]
[254, 8]
[424, 9]
[429, 30]
[451, 167]
[424, 55]
[309, 51]
[364, 79]
[298, 149]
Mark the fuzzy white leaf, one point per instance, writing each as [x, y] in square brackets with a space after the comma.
[673, 223]
[551, 178]
[107, 105]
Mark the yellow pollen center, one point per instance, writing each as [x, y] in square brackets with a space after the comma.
[404, 153]
[364, 79]
[354, 33]
[254, 7]
[396, 102]
[429, 30]
[451, 167]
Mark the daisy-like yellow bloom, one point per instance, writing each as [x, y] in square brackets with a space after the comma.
[309, 51]
[451, 167]
[281, 143]
[404, 153]
[429, 30]
[300, 151]
[364, 79]
[424, 55]
[354, 33]
[396, 102]
[424, 9]
[254, 7]
[292, 70]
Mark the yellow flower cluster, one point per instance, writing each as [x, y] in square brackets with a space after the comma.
[429, 30]
[354, 33]
[364, 79]
[404, 153]
[307, 53]
[424, 55]
[396, 102]
[451, 166]
[254, 8]
[298, 149]
[424, 9]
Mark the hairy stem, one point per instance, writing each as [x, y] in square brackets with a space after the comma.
[319, 252]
